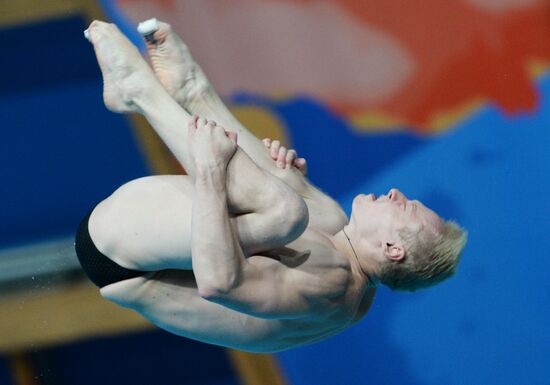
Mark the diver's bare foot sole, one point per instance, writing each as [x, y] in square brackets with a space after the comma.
[174, 66]
[125, 74]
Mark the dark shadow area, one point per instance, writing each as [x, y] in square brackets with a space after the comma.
[46, 54]
[5, 376]
[154, 357]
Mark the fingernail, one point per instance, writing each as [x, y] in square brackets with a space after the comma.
[87, 34]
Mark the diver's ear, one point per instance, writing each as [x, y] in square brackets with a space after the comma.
[394, 251]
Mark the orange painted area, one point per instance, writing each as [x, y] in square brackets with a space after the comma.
[463, 54]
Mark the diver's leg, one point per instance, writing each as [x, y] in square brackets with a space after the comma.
[184, 79]
[145, 225]
[170, 300]
[130, 86]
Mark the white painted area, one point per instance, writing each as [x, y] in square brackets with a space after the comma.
[315, 48]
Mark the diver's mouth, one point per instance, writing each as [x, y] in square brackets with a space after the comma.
[384, 197]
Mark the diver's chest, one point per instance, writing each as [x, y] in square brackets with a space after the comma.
[309, 258]
[312, 251]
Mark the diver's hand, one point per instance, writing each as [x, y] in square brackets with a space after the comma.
[210, 145]
[283, 157]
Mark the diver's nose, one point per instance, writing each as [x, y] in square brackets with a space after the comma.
[396, 195]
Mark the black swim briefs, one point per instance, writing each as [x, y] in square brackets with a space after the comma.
[100, 269]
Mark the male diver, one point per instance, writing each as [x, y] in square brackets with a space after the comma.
[243, 251]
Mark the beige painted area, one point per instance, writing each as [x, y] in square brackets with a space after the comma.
[373, 121]
[61, 314]
[69, 313]
[443, 120]
[538, 68]
[15, 12]
[159, 158]
[256, 369]
[261, 122]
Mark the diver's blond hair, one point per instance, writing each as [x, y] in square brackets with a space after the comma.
[430, 258]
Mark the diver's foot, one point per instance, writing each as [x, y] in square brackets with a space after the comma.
[126, 76]
[174, 66]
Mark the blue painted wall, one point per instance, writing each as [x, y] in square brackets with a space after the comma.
[61, 151]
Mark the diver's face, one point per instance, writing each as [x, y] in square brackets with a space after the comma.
[382, 217]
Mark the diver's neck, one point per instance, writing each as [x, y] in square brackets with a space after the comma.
[343, 242]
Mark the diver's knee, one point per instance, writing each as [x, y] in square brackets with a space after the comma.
[299, 216]
[292, 214]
